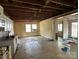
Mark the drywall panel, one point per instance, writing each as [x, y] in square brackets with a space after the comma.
[47, 28]
[19, 29]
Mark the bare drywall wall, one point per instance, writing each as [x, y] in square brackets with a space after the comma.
[65, 29]
[65, 26]
[66, 20]
[47, 28]
[19, 29]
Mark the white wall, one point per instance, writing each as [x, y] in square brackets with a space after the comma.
[47, 28]
[66, 20]
[65, 29]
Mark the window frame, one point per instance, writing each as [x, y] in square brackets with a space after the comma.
[60, 24]
[71, 28]
[32, 27]
[27, 28]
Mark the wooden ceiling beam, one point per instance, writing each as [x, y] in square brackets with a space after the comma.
[10, 5]
[44, 6]
[25, 10]
[19, 13]
[30, 16]
[60, 3]
[28, 8]
[21, 10]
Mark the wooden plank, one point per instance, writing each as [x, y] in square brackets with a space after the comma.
[38, 5]
[25, 10]
[60, 3]
[63, 4]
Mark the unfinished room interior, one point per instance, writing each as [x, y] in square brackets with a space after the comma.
[38, 29]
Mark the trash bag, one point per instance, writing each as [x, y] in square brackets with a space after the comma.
[64, 49]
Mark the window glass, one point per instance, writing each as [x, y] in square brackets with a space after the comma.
[28, 30]
[59, 27]
[74, 30]
[31, 27]
[28, 27]
[34, 26]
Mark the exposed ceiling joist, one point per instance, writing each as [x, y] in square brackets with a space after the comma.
[62, 3]
[20, 9]
[7, 5]
[64, 14]
[42, 9]
[10, 5]
[17, 6]
[44, 6]
[25, 12]
[59, 3]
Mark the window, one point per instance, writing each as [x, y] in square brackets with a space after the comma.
[59, 27]
[28, 27]
[74, 29]
[31, 27]
[34, 27]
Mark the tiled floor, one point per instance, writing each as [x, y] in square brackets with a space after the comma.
[38, 48]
